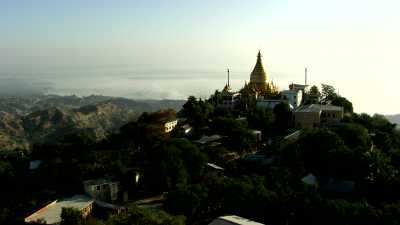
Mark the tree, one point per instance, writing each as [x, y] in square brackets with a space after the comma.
[342, 101]
[173, 162]
[283, 117]
[354, 135]
[312, 97]
[324, 152]
[70, 216]
[328, 94]
[187, 200]
[261, 118]
[142, 216]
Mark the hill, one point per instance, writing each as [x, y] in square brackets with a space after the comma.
[39, 119]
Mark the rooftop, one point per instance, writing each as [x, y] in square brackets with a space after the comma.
[52, 212]
[233, 220]
[318, 108]
[214, 166]
[99, 181]
[207, 139]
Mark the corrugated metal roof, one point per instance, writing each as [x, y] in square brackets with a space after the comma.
[318, 108]
[52, 212]
[233, 220]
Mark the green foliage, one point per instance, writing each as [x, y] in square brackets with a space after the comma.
[283, 117]
[142, 216]
[261, 119]
[174, 162]
[354, 135]
[187, 200]
[342, 101]
[240, 137]
[328, 94]
[197, 111]
[70, 216]
[312, 97]
[381, 169]
[324, 152]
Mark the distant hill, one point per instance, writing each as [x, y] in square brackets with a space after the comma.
[22, 105]
[38, 119]
[394, 119]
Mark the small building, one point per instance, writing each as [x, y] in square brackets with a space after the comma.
[187, 129]
[298, 87]
[51, 213]
[169, 125]
[293, 97]
[34, 165]
[209, 139]
[104, 189]
[314, 115]
[229, 98]
[293, 136]
[233, 220]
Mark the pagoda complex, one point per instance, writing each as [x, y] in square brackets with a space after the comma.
[259, 82]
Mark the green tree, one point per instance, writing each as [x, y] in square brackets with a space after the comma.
[70, 216]
[174, 162]
[312, 97]
[354, 135]
[342, 101]
[283, 117]
[328, 94]
[142, 216]
[187, 200]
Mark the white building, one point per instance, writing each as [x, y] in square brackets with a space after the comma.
[294, 97]
[170, 125]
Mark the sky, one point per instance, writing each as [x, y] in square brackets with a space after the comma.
[350, 44]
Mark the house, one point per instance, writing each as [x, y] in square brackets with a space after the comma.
[229, 100]
[51, 213]
[104, 189]
[233, 220]
[260, 157]
[169, 125]
[314, 115]
[213, 170]
[34, 165]
[209, 139]
[298, 87]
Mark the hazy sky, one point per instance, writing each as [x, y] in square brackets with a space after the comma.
[351, 44]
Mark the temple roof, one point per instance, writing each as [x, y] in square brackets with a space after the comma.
[258, 74]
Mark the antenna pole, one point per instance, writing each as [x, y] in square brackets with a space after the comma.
[305, 76]
[228, 76]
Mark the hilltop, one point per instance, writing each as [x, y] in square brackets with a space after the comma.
[48, 118]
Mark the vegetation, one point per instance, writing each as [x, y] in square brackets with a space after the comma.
[259, 181]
